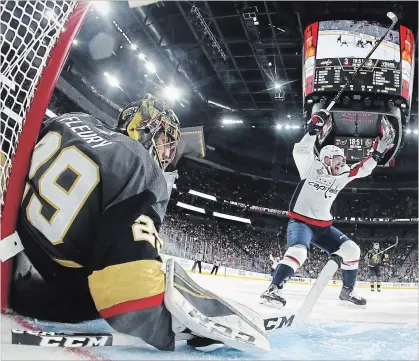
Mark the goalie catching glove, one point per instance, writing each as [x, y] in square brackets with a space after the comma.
[203, 318]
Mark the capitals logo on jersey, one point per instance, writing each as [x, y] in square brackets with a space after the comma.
[317, 190]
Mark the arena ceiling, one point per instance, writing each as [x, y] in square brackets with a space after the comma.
[226, 58]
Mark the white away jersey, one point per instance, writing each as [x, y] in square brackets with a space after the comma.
[317, 190]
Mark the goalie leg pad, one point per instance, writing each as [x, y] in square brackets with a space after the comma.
[209, 316]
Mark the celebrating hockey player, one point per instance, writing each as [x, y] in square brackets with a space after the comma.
[309, 211]
[375, 259]
[94, 201]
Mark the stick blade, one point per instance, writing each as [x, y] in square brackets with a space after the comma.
[392, 17]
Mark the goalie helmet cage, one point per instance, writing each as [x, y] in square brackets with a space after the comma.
[36, 39]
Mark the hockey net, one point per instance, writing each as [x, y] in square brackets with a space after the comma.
[36, 37]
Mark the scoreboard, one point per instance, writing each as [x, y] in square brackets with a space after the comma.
[377, 76]
[334, 49]
[355, 148]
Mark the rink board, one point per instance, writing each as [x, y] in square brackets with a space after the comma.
[255, 276]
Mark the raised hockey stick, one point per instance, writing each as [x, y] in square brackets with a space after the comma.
[393, 245]
[394, 20]
[100, 339]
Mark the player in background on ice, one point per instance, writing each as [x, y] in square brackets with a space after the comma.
[339, 39]
[375, 259]
[94, 202]
[359, 43]
[198, 262]
[309, 211]
[215, 265]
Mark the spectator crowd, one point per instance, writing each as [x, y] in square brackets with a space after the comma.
[276, 194]
[242, 247]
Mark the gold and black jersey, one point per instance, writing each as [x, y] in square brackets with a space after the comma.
[93, 203]
[375, 258]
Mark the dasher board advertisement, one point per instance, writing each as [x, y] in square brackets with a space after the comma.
[334, 49]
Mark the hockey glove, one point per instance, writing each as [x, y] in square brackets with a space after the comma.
[317, 121]
[382, 146]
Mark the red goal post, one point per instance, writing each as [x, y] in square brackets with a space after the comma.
[35, 41]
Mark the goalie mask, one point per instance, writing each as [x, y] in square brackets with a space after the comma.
[333, 158]
[154, 125]
[376, 246]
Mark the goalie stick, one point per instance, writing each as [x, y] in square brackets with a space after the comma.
[394, 20]
[100, 339]
[86, 339]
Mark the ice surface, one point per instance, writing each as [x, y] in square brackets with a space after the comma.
[386, 329]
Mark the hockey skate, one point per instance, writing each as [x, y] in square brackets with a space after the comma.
[273, 296]
[349, 298]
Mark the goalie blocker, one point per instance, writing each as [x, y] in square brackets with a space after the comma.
[198, 314]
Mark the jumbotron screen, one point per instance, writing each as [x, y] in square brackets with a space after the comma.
[334, 49]
[355, 148]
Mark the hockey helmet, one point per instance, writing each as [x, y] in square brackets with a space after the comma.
[331, 151]
[146, 121]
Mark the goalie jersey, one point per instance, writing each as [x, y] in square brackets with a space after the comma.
[92, 206]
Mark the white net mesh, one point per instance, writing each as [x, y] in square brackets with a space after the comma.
[29, 32]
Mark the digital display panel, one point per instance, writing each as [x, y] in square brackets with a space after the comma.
[334, 49]
[352, 123]
[355, 148]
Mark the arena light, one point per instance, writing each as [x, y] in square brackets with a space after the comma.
[171, 93]
[220, 105]
[192, 208]
[50, 14]
[141, 56]
[102, 7]
[280, 126]
[277, 86]
[134, 46]
[202, 195]
[408, 131]
[50, 114]
[415, 131]
[112, 81]
[75, 42]
[232, 121]
[150, 67]
[231, 218]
